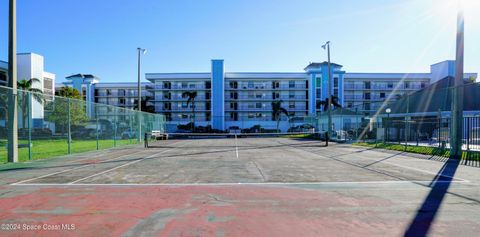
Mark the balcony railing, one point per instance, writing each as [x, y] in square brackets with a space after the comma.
[179, 87]
[267, 97]
[179, 97]
[266, 87]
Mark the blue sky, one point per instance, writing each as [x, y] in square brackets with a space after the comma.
[101, 37]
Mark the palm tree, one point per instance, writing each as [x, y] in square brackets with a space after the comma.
[145, 103]
[324, 103]
[37, 95]
[277, 111]
[191, 95]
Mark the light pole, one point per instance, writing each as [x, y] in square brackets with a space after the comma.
[140, 52]
[457, 102]
[12, 83]
[329, 96]
[139, 95]
[388, 111]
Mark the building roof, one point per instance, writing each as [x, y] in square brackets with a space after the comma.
[437, 96]
[85, 76]
[318, 65]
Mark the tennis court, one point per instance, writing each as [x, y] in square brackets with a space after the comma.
[236, 185]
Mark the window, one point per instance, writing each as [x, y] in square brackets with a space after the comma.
[335, 92]
[367, 85]
[258, 115]
[251, 115]
[319, 92]
[318, 82]
[390, 85]
[423, 85]
[258, 105]
[184, 85]
[407, 84]
[291, 94]
[191, 86]
[350, 104]
[335, 82]
[250, 84]
[382, 95]
[251, 95]
[258, 95]
[291, 84]
[251, 105]
[366, 95]
[366, 106]
[291, 105]
[184, 105]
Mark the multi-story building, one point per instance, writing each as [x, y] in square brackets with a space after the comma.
[123, 95]
[3, 73]
[244, 99]
[226, 99]
[29, 66]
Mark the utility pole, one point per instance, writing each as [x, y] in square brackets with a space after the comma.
[457, 102]
[139, 96]
[329, 95]
[12, 83]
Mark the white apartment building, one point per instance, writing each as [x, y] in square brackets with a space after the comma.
[31, 65]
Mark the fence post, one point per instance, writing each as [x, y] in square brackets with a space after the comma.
[29, 125]
[468, 133]
[439, 127]
[69, 131]
[115, 120]
[97, 128]
[130, 133]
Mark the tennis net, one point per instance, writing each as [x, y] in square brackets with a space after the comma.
[160, 140]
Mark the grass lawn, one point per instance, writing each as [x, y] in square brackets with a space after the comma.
[435, 151]
[42, 149]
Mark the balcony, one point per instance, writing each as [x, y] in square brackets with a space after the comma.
[179, 98]
[179, 87]
[267, 97]
[268, 87]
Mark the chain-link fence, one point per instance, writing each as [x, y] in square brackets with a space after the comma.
[420, 118]
[51, 126]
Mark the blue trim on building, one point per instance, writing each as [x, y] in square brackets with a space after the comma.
[218, 94]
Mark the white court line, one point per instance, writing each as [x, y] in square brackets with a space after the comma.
[63, 171]
[424, 171]
[386, 162]
[232, 184]
[120, 166]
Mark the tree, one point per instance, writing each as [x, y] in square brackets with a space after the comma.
[324, 103]
[69, 92]
[145, 103]
[191, 95]
[68, 99]
[36, 94]
[277, 111]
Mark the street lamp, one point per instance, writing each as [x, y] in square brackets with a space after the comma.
[329, 96]
[388, 111]
[12, 83]
[139, 96]
[140, 52]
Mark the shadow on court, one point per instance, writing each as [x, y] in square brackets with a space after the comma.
[426, 214]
